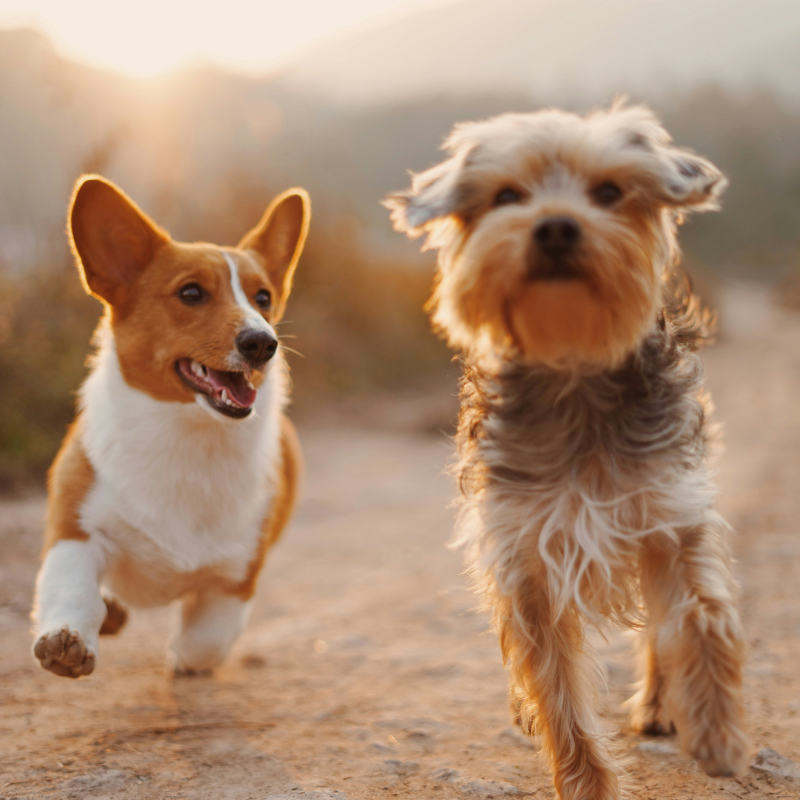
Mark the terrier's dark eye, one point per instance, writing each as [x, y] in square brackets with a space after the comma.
[606, 194]
[191, 294]
[507, 196]
[263, 299]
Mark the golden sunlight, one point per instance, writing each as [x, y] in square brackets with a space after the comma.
[148, 37]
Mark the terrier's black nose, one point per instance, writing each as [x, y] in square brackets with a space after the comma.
[256, 347]
[556, 236]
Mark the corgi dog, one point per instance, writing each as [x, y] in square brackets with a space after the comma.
[181, 469]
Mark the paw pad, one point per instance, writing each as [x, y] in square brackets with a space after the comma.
[65, 653]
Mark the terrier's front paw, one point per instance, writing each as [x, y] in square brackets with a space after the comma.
[650, 719]
[64, 652]
[523, 714]
[722, 752]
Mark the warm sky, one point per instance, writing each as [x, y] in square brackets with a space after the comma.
[146, 37]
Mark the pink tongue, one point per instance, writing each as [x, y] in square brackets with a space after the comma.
[237, 385]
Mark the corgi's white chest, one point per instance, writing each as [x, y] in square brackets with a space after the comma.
[177, 489]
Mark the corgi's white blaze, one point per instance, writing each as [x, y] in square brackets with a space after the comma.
[254, 320]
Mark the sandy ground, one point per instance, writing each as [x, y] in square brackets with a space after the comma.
[366, 671]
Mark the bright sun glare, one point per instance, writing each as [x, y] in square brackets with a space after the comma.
[148, 37]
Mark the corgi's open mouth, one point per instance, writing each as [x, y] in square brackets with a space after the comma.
[230, 393]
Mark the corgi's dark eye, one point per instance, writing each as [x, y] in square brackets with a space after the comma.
[263, 299]
[507, 196]
[606, 194]
[191, 294]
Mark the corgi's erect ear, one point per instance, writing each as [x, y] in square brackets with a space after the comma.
[112, 238]
[279, 238]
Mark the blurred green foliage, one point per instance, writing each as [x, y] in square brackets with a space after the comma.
[359, 324]
[46, 321]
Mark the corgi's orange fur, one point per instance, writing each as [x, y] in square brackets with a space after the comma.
[181, 469]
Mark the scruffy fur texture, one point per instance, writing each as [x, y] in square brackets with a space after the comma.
[583, 439]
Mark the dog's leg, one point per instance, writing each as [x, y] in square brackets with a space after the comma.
[700, 647]
[647, 705]
[210, 624]
[69, 609]
[647, 709]
[551, 678]
[116, 615]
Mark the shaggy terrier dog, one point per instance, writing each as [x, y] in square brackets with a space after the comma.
[584, 430]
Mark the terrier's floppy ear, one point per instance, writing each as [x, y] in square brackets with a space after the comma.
[434, 194]
[687, 181]
[279, 238]
[682, 179]
[112, 238]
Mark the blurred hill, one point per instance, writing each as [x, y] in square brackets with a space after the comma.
[178, 144]
[204, 150]
[563, 49]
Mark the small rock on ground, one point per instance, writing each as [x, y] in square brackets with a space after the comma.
[88, 784]
[446, 775]
[322, 794]
[657, 748]
[475, 788]
[401, 768]
[513, 735]
[489, 789]
[772, 762]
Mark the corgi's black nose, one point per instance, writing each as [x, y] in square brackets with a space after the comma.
[256, 347]
[556, 236]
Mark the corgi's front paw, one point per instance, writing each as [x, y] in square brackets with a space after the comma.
[64, 652]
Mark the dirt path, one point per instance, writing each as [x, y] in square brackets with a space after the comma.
[365, 672]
